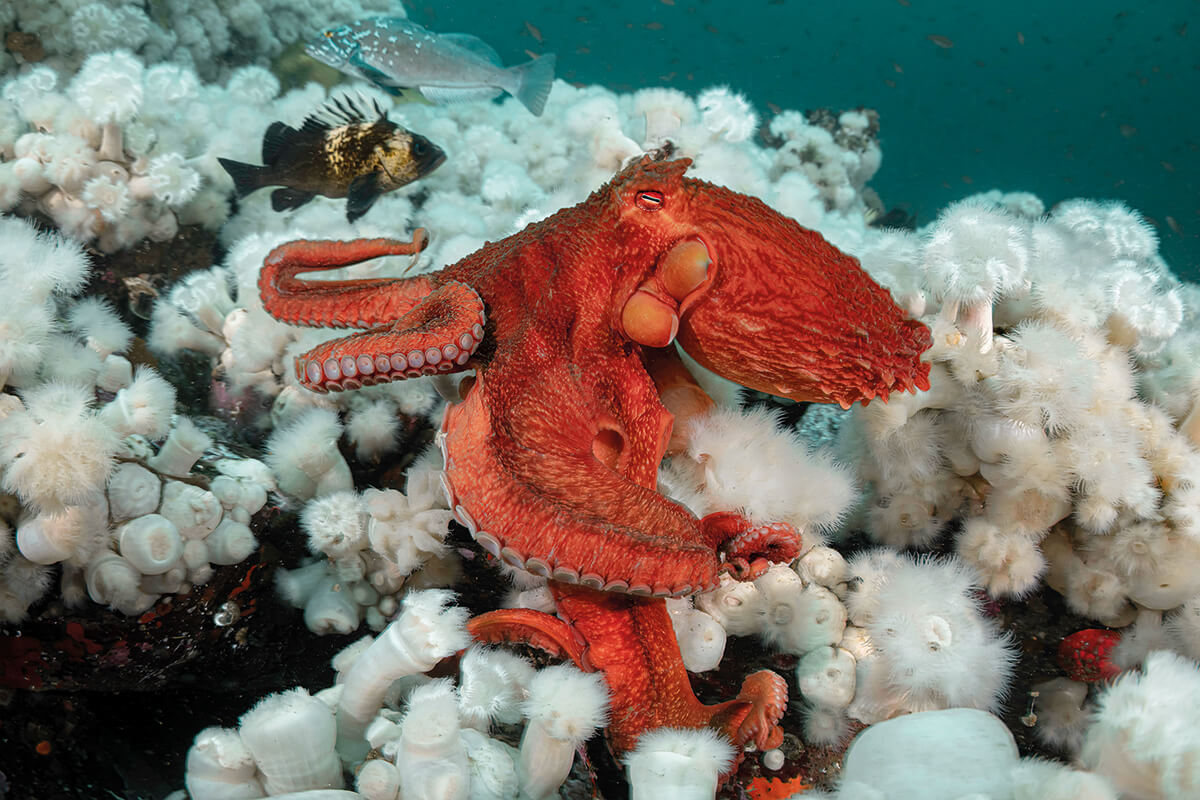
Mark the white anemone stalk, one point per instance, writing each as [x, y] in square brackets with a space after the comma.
[682, 764]
[428, 630]
[565, 707]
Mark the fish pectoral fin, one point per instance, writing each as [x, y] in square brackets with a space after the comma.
[363, 192]
[373, 74]
[475, 45]
[288, 198]
[445, 95]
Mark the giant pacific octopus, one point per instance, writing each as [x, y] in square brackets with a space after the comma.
[552, 452]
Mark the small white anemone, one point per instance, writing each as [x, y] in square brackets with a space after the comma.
[372, 428]
[220, 766]
[798, 618]
[429, 629]
[493, 686]
[727, 113]
[151, 543]
[144, 407]
[108, 87]
[252, 85]
[737, 605]
[1144, 313]
[335, 524]
[108, 196]
[182, 449]
[57, 452]
[682, 764]
[565, 707]
[291, 736]
[304, 456]
[171, 83]
[665, 111]
[98, 324]
[975, 254]
[1148, 755]
[133, 491]
[171, 180]
[430, 755]
[30, 85]
[72, 165]
[701, 637]
[779, 485]
[36, 264]
[97, 28]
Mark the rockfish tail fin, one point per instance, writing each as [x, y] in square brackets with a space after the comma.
[246, 177]
[534, 79]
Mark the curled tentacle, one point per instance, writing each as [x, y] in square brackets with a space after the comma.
[750, 549]
[339, 304]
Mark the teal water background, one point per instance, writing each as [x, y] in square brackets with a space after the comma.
[1064, 99]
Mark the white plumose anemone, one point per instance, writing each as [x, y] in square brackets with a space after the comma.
[682, 764]
[57, 451]
[565, 707]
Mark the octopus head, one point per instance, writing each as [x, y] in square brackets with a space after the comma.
[752, 295]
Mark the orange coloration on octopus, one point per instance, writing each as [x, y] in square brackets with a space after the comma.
[552, 454]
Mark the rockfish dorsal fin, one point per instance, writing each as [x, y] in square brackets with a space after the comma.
[279, 136]
[339, 111]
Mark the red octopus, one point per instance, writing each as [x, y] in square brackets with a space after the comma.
[552, 454]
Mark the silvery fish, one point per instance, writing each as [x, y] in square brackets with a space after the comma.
[398, 54]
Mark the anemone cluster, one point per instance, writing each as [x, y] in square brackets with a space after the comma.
[206, 37]
[126, 521]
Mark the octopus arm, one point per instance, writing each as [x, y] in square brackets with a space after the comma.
[527, 626]
[551, 479]
[553, 469]
[440, 334]
[339, 304]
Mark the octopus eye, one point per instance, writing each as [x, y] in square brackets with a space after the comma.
[649, 201]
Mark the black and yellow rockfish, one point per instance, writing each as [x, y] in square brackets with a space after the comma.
[337, 152]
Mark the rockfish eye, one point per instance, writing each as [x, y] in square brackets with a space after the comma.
[649, 201]
[419, 148]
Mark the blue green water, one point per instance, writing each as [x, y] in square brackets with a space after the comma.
[1064, 99]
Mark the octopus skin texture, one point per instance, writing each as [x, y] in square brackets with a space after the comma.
[551, 455]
